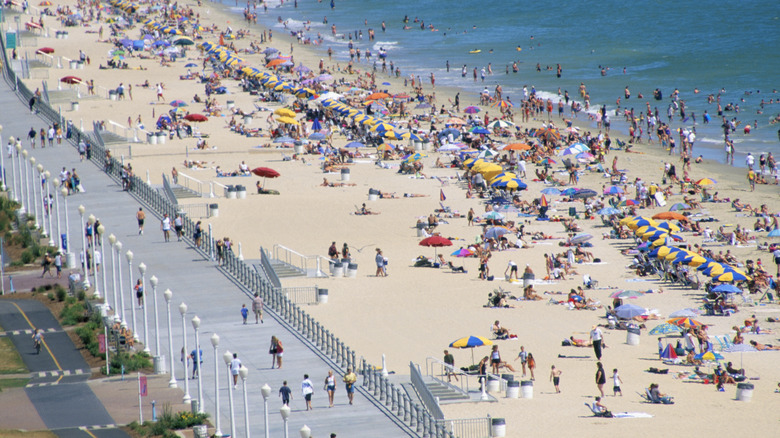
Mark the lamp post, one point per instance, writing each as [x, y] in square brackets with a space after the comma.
[47, 176]
[196, 361]
[285, 411]
[187, 399]
[31, 176]
[91, 220]
[2, 160]
[68, 243]
[118, 249]
[153, 280]
[84, 250]
[101, 230]
[215, 344]
[112, 242]
[227, 357]
[168, 295]
[25, 189]
[56, 183]
[266, 391]
[305, 431]
[13, 168]
[129, 256]
[142, 270]
[40, 182]
[244, 372]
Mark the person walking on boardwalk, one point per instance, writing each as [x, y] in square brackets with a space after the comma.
[285, 393]
[140, 216]
[165, 226]
[349, 382]
[307, 389]
[257, 307]
[330, 386]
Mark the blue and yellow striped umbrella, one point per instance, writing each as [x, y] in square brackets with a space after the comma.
[471, 342]
[731, 275]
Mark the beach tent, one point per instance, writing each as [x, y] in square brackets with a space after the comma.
[668, 352]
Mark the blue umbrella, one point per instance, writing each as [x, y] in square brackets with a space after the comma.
[665, 329]
[606, 210]
[551, 191]
[316, 126]
[613, 190]
[684, 313]
[774, 233]
[191, 64]
[355, 144]
[317, 136]
[480, 130]
[496, 232]
[284, 139]
[628, 311]
[727, 288]
[386, 83]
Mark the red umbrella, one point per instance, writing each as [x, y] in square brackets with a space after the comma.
[71, 80]
[46, 50]
[435, 242]
[265, 172]
[195, 118]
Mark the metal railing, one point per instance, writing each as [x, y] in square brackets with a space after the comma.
[311, 265]
[468, 427]
[200, 210]
[412, 418]
[190, 183]
[265, 261]
[438, 370]
[128, 133]
[427, 397]
[169, 191]
[300, 294]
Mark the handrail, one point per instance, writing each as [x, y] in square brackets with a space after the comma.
[427, 397]
[197, 185]
[269, 270]
[435, 368]
[169, 191]
[311, 265]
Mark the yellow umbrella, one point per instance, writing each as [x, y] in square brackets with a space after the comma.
[697, 260]
[640, 221]
[391, 135]
[663, 251]
[287, 121]
[490, 170]
[642, 230]
[668, 226]
[285, 112]
[659, 242]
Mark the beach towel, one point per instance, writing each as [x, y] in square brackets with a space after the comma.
[631, 415]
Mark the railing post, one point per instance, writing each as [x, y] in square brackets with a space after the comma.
[376, 382]
[418, 416]
[393, 399]
[406, 408]
[353, 357]
[382, 389]
[400, 405]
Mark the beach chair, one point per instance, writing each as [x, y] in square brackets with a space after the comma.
[666, 400]
[596, 412]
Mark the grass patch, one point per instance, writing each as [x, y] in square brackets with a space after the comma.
[13, 383]
[10, 361]
[19, 434]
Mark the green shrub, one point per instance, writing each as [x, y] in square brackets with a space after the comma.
[82, 295]
[61, 294]
[131, 362]
[27, 256]
[51, 296]
[73, 313]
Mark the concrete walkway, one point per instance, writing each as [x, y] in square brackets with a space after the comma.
[210, 296]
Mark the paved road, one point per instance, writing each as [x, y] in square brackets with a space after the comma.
[211, 296]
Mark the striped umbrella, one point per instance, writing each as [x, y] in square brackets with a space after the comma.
[686, 322]
[471, 342]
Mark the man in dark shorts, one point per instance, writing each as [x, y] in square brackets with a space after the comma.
[449, 359]
[140, 216]
[286, 393]
[257, 307]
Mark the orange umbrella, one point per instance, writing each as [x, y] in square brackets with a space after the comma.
[670, 215]
[377, 96]
[517, 147]
[275, 62]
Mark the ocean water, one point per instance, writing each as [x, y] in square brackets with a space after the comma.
[726, 48]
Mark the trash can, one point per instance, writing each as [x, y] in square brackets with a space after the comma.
[161, 137]
[74, 106]
[159, 364]
[498, 427]
[240, 192]
[338, 269]
[71, 259]
[230, 192]
[421, 229]
[194, 406]
[213, 210]
[231, 104]
[572, 211]
[112, 94]
[345, 174]
[373, 196]
[298, 149]
[513, 389]
[247, 120]
[322, 296]
[527, 388]
[632, 336]
[744, 391]
[201, 430]
[493, 384]
[508, 377]
[418, 145]
[528, 279]
[73, 64]
[351, 270]
[151, 138]
[80, 65]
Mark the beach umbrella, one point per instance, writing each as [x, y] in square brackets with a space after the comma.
[709, 356]
[265, 172]
[669, 352]
[471, 342]
[665, 329]
[502, 103]
[685, 321]
[177, 103]
[316, 125]
[455, 121]
[727, 288]
[517, 147]
[286, 112]
[450, 131]
[317, 136]
[628, 202]
[462, 252]
[642, 221]
[385, 147]
[183, 41]
[487, 153]
[547, 161]
[628, 311]
[71, 80]
[324, 77]
[190, 65]
[287, 121]
[275, 62]
[435, 242]
[679, 206]
[626, 294]
[300, 68]
[706, 182]
[684, 313]
[196, 118]
[551, 191]
[774, 233]
[732, 276]
[377, 96]
[45, 50]
[449, 147]
[270, 50]
[511, 184]
[693, 260]
[584, 193]
[496, 232]
[741, 349]
[500, 124]
[669, 227]
[355, 144]
[417, 156]
[493, 215]
[424, 105]
[581, 238]
[471, 110]
[613, 190]
[284, 139]
[608, 211]
[480, 130]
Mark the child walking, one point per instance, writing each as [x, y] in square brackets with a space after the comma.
[616, 381]
[244, 312]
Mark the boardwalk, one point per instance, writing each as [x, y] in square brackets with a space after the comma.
[210, 296]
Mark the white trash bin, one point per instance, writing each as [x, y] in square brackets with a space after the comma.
[498, 427]
[527, 388]
[345, 174]
[513, 389]
[745, 391]
[322, 296]
[632, 336]
[351, 270]
[493, 384]
[338, 269]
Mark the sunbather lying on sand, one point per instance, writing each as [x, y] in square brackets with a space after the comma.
[761, 347]
[365, 211]
[326, 183]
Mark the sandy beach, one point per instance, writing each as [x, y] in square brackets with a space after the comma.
[415, 313]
